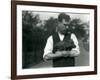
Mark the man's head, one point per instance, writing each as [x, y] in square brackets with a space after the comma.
[64, 21]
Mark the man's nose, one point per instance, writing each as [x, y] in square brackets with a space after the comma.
[67, 27]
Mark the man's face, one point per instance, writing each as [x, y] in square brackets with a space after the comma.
[63, 26]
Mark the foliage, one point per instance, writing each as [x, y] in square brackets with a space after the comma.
[33, 39]
[77, 28]
[51, 25]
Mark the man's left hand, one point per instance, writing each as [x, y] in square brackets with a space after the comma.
[65, 53]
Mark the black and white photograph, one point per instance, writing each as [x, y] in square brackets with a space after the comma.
[54, 40]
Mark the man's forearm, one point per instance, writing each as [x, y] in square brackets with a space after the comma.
[74, 53]
[50, 56]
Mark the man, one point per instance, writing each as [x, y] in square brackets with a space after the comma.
[62, 56]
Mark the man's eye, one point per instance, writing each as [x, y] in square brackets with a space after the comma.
[67, 27]
[66, 24]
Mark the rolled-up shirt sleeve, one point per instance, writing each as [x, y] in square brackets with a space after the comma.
[49, 46]
[75, 51]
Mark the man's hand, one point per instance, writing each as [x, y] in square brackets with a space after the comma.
[65, 53]
[59, 53]
[74, 53]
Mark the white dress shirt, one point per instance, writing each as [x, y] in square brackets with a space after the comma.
[49, 45]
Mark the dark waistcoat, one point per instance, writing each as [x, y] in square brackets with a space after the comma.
[62, 61]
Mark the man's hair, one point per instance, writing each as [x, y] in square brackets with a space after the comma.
[62, 16]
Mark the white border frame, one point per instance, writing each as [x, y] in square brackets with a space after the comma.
[35, 71]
